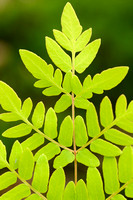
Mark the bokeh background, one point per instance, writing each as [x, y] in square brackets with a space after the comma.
[25, 23]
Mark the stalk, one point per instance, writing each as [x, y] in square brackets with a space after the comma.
[73, 117]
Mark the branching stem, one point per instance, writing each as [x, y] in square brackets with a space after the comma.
[73, 119]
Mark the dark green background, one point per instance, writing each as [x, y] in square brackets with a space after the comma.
[25, 23]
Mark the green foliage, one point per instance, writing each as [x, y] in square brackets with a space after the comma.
[75, 140]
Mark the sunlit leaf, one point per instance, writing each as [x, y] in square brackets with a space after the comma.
[69, 192]
[76, 85]
[118, 197]
[63, 103]
[9, 117]
[38, 115]
[81, 103]
[81, 191]
[7, 179]
[129, 190]
[27, 107]
[3, 155]
[121, 106]
[67, 82]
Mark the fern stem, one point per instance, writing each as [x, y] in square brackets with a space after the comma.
[25, 182]
[73, 118]
[120, 189]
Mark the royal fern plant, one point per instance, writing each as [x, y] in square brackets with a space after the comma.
[77, 139]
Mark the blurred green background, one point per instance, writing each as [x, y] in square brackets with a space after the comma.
[25, 23]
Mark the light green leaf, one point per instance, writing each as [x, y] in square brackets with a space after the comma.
[118, 137]
[118, 197]
[106, 112]
[70, 23]
[50, 126]
[7, 179]
[27, 108]
[38, 115]
[56, 185]
[76, 85]
[130, 111]
[104, 148]
[26, 164]
[83, 40]
[15, 154]
[86, 56]
[33, 142]
[63, 159]
[17, 193]
[58, 77]
[85, 92]
[63, 103]
[2, 155]
[69, 192]
[129, 190]
[9, 99]
[57, 55]
[94, 184]
[126, 165]
[87, 158]
[50, 150]
[67, 82]
[81, 190]
[121, 105]
[17, 131]
[52, 91]
[62, 40]
[9, 117]
[108, 79]
[81, 136]
[125, 124]
[81, 103]
[110, 174]
[41, 174]
[92, 121]
[66, 132]
[33, 197]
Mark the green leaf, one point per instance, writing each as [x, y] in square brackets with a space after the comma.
[67, 82]
[9, 117]
[62, 40]
[58, 77]
[92, 121]
[81, 103]
[15, 154]
[130, 111]
[81, 190]
[80, 131]
[126, 165]
[56, 185]
[33, 197]
[50, 150]
[70, 23]
[83, 40]
[86, 93]
[94, 184]
[87, 158]
[7, 179]
[108, 79]
[129, 190]
[125, 124]
[110, 174]
[118, 197]
[33, 142]
[86, 56]
[63, 159]
[2, 155]
[17, 131]
[118, 137]
[8, 98]
[121, 105]
[50, 126]
[27, 108]
[76, 85]
[66, 132]
[63, 103]
[17, 193]
[26, 164]
[38, 115]
[57, 55]
[41, 174]
[106, 112]
[104, 148]
[52, 91]
[69, 192]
